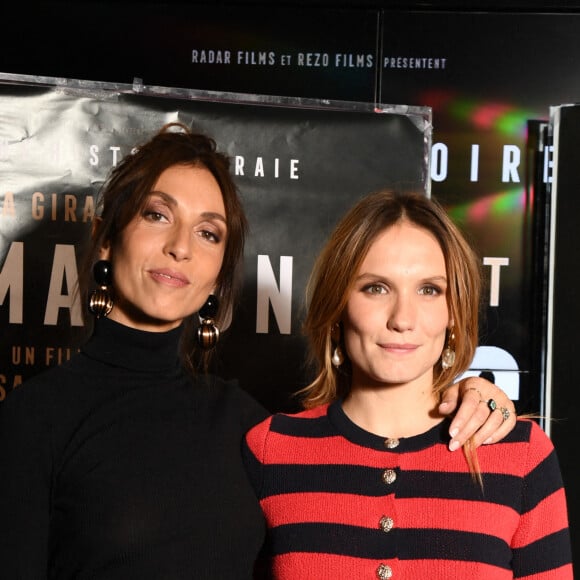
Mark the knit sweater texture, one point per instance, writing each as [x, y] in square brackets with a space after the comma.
[117, 465]
[343, 503]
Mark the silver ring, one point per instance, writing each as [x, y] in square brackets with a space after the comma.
[505, 414]
[491, 405]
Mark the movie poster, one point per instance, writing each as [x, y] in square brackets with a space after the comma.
[298, 169]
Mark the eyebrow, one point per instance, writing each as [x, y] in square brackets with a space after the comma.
[214, 215]
[436, 279]
[170, 200]
[371, 276]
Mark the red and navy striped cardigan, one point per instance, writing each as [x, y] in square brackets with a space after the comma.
[343, 503]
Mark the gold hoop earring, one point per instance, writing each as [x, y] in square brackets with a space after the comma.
[100, 301]
[448, 354]
[208, 333]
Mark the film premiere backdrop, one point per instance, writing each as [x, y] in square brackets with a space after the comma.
[490, 79]
[298, 169]
[479, 158]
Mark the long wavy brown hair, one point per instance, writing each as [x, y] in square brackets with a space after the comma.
[125, 193]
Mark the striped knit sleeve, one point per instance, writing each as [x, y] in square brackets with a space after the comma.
[253, 454]
[541, 546]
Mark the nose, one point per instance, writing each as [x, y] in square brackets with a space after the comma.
[402, 313]
[179, 243]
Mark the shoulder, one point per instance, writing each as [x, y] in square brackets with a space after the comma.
[62, 387]
[26, 416]
[527, 444]
[224, 392]
[61, 379]
[36, 393]
[529, 431]
[229, 399]
[302, 422]
[311, 422]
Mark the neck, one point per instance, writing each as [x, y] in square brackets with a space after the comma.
[393, 411]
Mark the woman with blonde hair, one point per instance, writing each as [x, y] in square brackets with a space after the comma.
[361, 484]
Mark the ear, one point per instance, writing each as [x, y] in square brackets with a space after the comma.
[105, 252]
[105, 249]
[95, 226]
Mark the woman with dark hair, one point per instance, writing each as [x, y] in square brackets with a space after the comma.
[361, 484]
[125, 462]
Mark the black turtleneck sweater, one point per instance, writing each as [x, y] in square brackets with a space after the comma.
[117, 465]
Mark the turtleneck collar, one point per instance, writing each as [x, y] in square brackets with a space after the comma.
[128, 348]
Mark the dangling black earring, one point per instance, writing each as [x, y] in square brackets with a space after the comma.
[208, 333]
[100, 301]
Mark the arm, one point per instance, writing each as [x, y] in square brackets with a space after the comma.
[24, 486]
[541, 543]
[253, 454]
[473, 417]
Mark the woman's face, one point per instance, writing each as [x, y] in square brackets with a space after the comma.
[170, 254]
[396, 317]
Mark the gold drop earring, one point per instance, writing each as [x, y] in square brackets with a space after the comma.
[337, 354]
[448, 354]
[100, 301]
[208, 333]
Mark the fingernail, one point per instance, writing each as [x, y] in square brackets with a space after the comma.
[453, 432]
[488, 441]
[454, 445]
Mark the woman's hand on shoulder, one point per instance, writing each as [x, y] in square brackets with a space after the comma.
[484, 412]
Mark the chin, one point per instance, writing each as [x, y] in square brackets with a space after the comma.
[156, 322]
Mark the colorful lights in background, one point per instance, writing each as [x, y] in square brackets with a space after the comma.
[493, 210]
[492, 206]
[503, 118]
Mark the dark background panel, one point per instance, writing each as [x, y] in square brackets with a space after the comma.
[272, 50]
[488, 76]
[566, 309]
